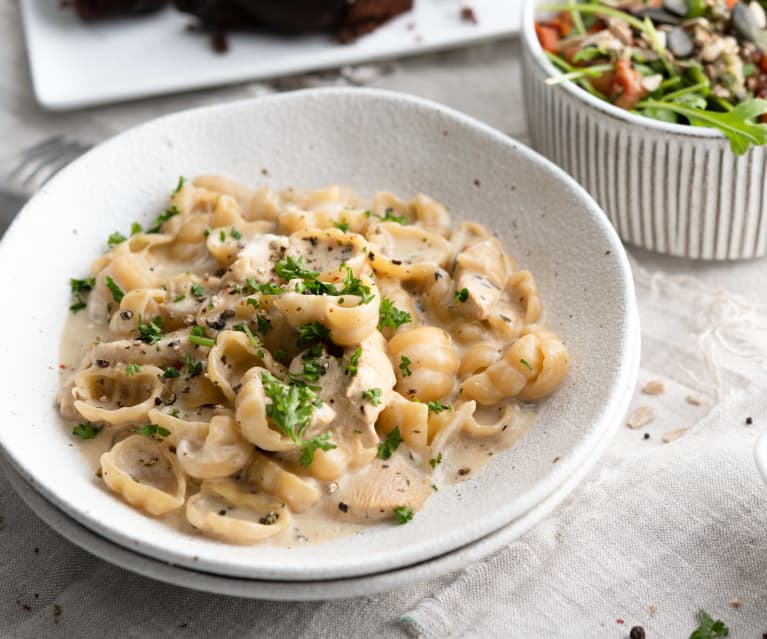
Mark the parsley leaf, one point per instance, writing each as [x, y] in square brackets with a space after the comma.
[169, 372]
[193, 367]
[116, 238]
[264, 289]
[321, 442]
[372, 395]
[117, 293]
[197, 290]
[79, 287]
[390, 315]
[197, 336]
[462, 295]
[354, 286]
[436, 461]
[709, 629]
[436, 407]
[151, 430]
[251, 338]
[525, 363]
[354, 360]
[403, 514]
[135, 228]
[170, 212]
[87, 430]
[235, 234]
[291, 408]
[391, 217]
[343, 225]
[293, 269]
[393, 440]
[404, 366]
[151, 331]
[179, 186]
[132, 369]
[308, 333]
[264, 324]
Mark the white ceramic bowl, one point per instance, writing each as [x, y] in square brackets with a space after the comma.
[370, 140]
[666, 187]
[760, 454]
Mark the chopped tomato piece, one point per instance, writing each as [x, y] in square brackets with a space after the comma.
[763, 63]
[627, 87]
[548, 37]
[731, 3]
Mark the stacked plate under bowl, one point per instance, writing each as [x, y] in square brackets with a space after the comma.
[370, 140]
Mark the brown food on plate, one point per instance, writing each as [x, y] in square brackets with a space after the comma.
[349, 19]
[93, 9]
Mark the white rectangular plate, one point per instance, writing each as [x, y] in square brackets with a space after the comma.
[75, 64]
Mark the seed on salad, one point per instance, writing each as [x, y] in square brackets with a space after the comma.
[744, 23]
[654, 387]
[674, 434]
[677, 7]
[641, 416]
[680, 43]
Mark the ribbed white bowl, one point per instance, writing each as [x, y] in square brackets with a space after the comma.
[669, 188]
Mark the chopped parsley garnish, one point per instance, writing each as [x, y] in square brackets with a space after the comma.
[354, 360]
[462, 295]
[403, 514]
[175, 412]
[135, 228]
[436, 407]
[436, 461]
[197, 336]
[264, 324]
[293, 269]
[312, 370]
[179, 186]
[179, 298]
[265, 289]
[235, 234]
[280, 354]
[343, 225]
[132, 369]
[197, 290]
[391, 217]
[170, 212]
[151, 430]
[252, 302]
[151, 331]
[709, 629]
[291, 411]
[372, 395]
[308, 333]
[390, 315]
[87, 430]
[525, 363]
[222, 236]
[251, 338]
[354, 286]
[404, 365]
[79, 287]
[392, 442]
[321, 442]
[170, 372]
[116, 238]
[117, 293]
[194, 368]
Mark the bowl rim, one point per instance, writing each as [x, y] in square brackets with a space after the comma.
[533, 46]
[604, 426]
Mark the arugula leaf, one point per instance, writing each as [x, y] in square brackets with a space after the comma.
[87, 430]
[392, 442]
[321, 442]
[587, 54]
[151, 430]
[390, 315]
[737, 125]
[709, 629]
[403, 514]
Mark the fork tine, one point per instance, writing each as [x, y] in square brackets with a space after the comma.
[52, 165]
[41, 161]
[34, 154]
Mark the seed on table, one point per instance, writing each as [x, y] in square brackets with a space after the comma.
[654, 387]
[641, 416]
[674, 434]
[694, 400]
[735, 602]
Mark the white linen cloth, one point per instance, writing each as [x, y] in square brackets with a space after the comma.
[656, 531]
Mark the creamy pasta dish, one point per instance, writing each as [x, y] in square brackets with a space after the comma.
[259, 365]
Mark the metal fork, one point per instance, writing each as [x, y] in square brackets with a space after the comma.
[34, 167]
[39, 163]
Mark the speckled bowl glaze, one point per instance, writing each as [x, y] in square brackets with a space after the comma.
[760, 454]
[369, 140]
[669, 188]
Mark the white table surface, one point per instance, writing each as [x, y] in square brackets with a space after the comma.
[483, 81]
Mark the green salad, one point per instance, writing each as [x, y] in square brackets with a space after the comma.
[694, 62]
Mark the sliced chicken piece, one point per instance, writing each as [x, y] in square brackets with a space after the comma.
[376, 490]
[480, 276]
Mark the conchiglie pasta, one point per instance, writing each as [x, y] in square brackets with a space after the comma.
[223, 452]
[425, 363]
[270, 477]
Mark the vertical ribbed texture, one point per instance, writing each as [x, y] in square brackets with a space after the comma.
[671, 193]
